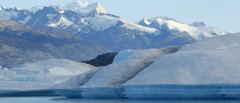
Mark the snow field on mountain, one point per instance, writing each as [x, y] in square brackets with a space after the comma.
[198, 33]
[102, 22]
[62, 22]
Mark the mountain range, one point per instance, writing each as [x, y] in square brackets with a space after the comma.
[21, 44]
[80, 31]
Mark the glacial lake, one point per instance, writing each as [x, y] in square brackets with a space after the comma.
[66, 100]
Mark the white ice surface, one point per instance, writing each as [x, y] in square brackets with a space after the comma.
[77, 80]
[53, 66]
[142, 54]
[122, 55]
[146, 21]
[16, 85]
[47, 72]
[62, 22]
[119, 72]
[207, 62]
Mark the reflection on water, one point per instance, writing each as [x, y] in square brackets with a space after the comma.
[66, 100]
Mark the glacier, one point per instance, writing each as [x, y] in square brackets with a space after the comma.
[208, 69]
[105, 82]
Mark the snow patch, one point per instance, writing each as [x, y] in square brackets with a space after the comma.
[134, 26]
[62, 22]
[146, 21]
[102, 22]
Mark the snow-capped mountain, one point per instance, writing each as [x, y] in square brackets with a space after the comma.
[14, 14]
[84, 22]
[197, 30]
[145, 22]
[83, 8]
[92, 23]
[106, 30]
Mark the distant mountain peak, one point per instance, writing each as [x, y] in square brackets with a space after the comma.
[83, 8]
[100, 9]
[36, 8]
[145, 22]
[197, 30]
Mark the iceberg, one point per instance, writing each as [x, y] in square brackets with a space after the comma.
[106, 83]
[41, 74]
[207, 69]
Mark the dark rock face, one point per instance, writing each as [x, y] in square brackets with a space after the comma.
[102, 60]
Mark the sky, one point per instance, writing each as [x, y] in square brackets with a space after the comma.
[223, 14]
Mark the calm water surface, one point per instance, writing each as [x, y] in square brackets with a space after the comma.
[65, 100]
